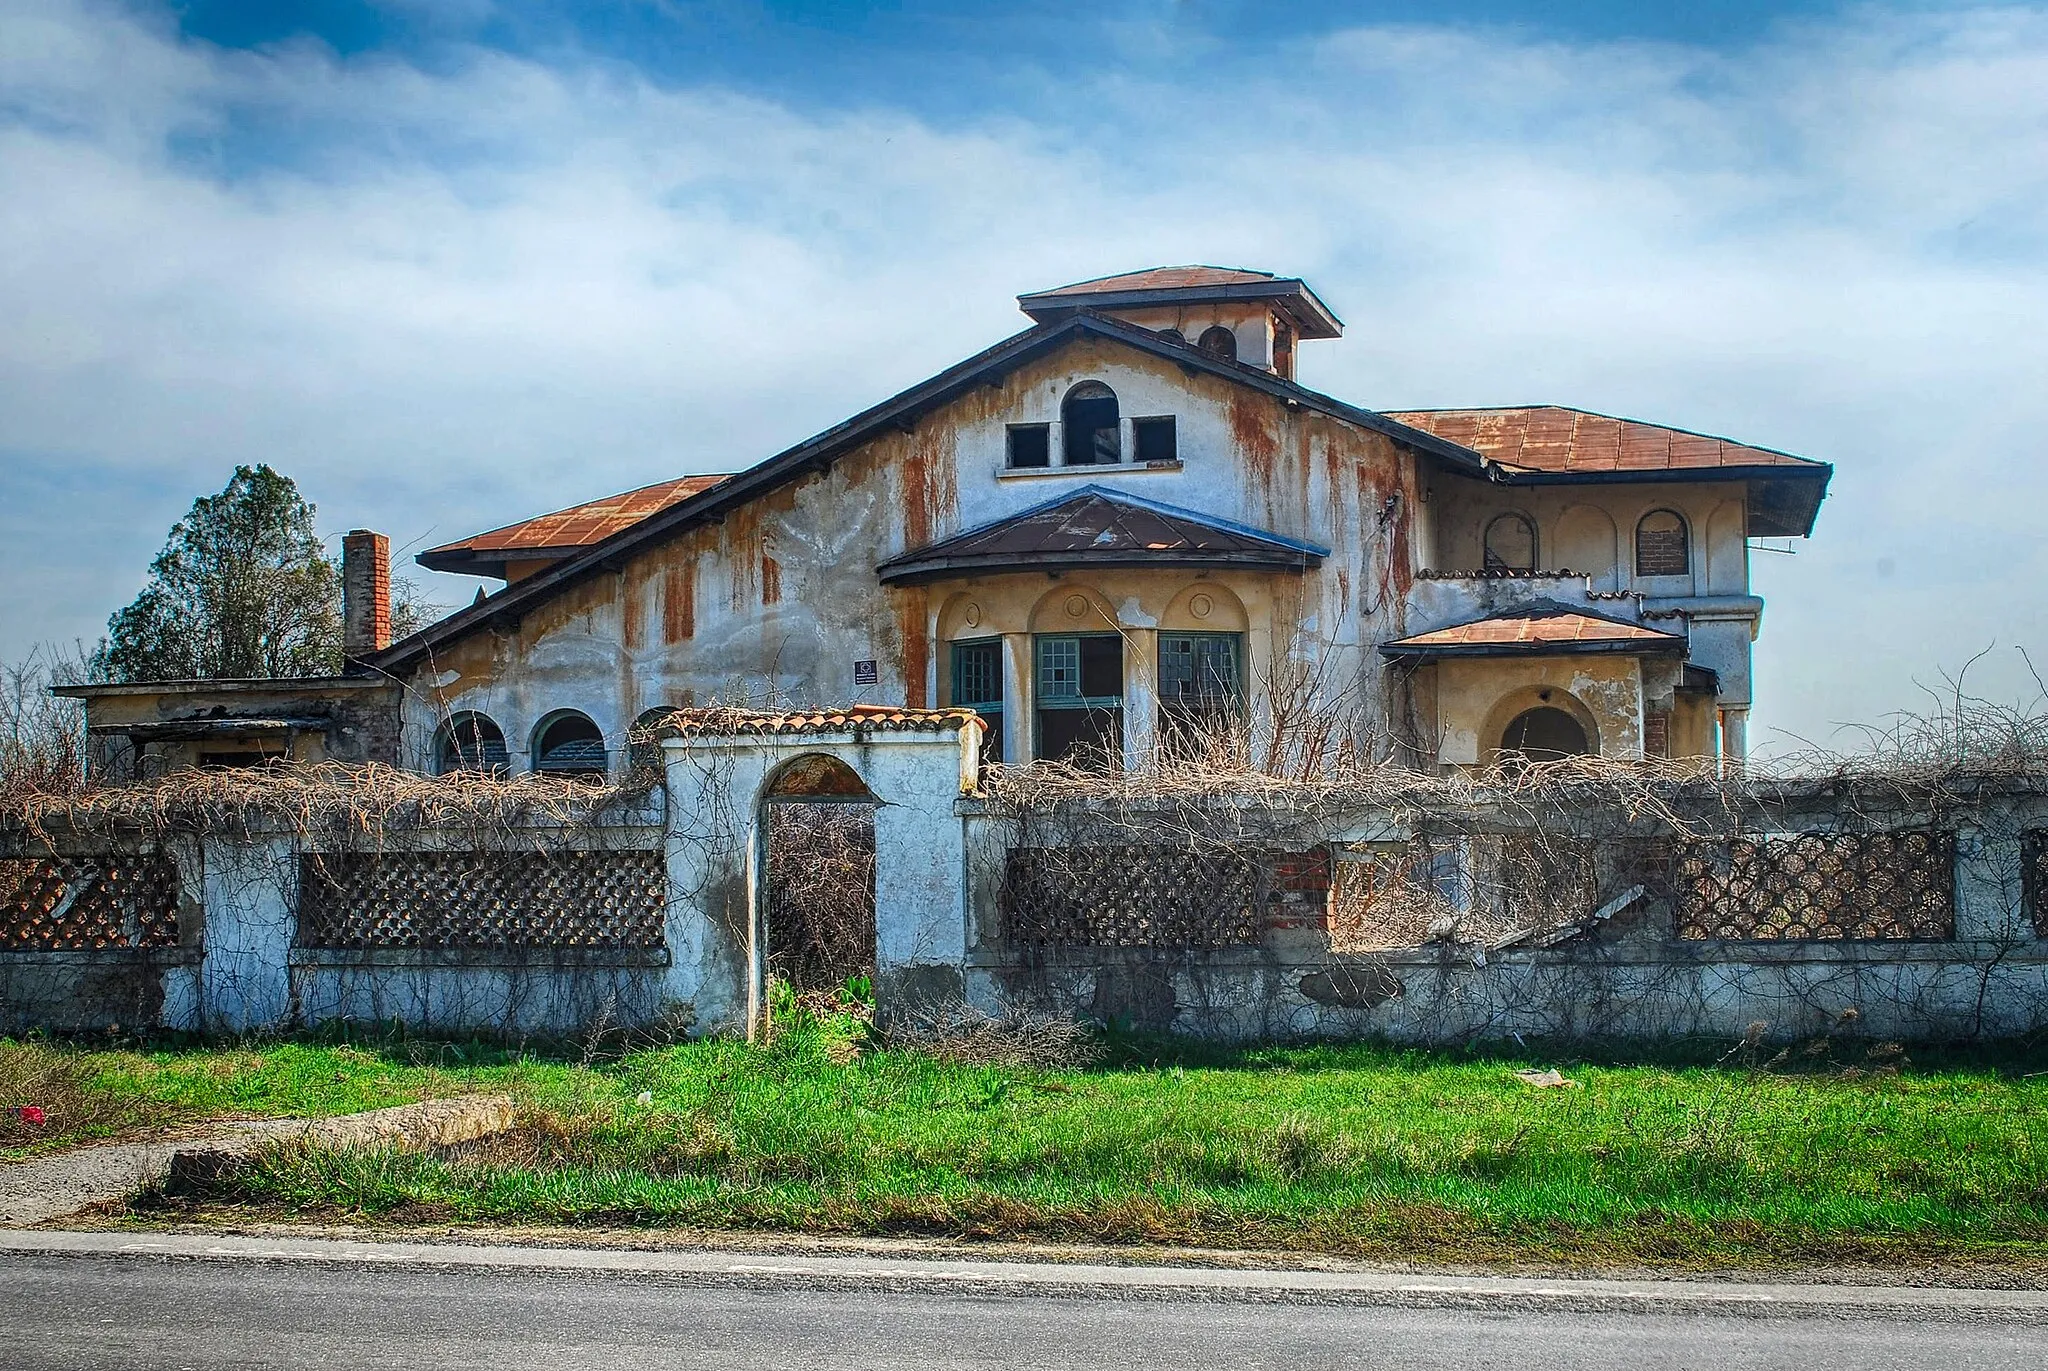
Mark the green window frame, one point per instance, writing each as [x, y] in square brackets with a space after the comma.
[978, 685]
[1061, 664]
[1201, 676]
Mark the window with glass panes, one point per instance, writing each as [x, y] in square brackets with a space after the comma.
[1201, 676]
[1081, 697]
[978, 685]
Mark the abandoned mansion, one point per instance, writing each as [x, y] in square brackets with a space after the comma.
[1127, 518]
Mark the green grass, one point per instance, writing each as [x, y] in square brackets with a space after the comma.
[1360, 1149]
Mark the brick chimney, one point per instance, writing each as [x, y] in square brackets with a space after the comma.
[365, 593]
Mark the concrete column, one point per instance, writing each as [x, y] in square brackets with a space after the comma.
[1734, 739]
[920, 873]
[710, 848]
[252, 899]
[1141, 695]
[1990, 885]
[1019, 698]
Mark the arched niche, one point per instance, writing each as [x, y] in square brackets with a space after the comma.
[1520, 701]
[1587, 541]
[1728, 549]
[1206, 607]
[1072, 608]
[971, 614]
[568, 742]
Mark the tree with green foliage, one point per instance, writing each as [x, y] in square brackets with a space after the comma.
[241, 589]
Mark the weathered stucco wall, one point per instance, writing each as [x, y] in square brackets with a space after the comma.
[782, 596]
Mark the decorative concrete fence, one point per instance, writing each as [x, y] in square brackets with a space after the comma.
[1675, 909]
[615, 911]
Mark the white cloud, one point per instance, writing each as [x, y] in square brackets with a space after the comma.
[446, 299]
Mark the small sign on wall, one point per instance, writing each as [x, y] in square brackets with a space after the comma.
[866, 673]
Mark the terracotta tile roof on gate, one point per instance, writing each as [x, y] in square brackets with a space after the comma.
[1536, 630]
[564, 531]
[703, 722]
[1553, 438]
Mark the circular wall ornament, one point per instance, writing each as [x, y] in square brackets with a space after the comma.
[1200, 606]
[1077, 605]
[972, 614]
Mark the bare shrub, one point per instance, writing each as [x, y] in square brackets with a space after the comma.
[963, 1034]
[821, 893]
[42, 738]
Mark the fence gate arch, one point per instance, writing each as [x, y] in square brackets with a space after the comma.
[815, 921]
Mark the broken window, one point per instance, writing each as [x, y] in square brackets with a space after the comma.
[1081, 699]
[1030, 445]
[1219, 342]
[1661, 545]
[470, 742]
[1511, 544]
[1201, 681]
[1283, 350]
[978, 685]
[569, 744]
[1089, 416]
[1155, 439]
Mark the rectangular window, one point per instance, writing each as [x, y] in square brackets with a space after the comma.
[978, 685]
[1081, 699]
[1155, 439]
[1201, 680]
[1030, 445]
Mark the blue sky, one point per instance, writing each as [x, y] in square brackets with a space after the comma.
[452, 262]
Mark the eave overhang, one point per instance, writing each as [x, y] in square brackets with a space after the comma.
[1782, 502]
[1291, 295]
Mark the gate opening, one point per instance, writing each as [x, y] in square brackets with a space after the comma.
[818, 919]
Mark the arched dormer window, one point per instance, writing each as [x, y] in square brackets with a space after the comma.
[470, 742]
[1219, 342]
[569, 744]
[1090, 419]
[1511, 543]
[1663, 547]
[643, 751]
[1173, 336]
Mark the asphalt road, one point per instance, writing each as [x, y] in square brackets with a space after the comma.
[119, 1312]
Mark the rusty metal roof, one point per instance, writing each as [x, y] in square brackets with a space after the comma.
[713, 722]
[1554, 438]
[1097, 527]
[1553, 444]
[562, 532]
[1536, 630]
[1189, 285]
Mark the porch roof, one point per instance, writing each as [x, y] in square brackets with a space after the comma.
[1537, 631]
[1099, 527]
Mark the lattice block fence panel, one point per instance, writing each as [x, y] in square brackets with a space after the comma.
[1154, 896]
[1817, 887]
[74, 903]
[482, 899]
[2034, 857]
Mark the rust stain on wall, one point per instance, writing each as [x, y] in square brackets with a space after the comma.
[743, 550]
[632, 590]
[771, 579]
[1251, 428]
[913, 652]
[679, 599]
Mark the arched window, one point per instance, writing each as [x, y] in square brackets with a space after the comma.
[1662, 545]
[642, 749]
[1544, 734]
[1089, 416]
[1174, 336]
[569, 744]
[470, 742]
[1511, 543]
[1219, 342]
